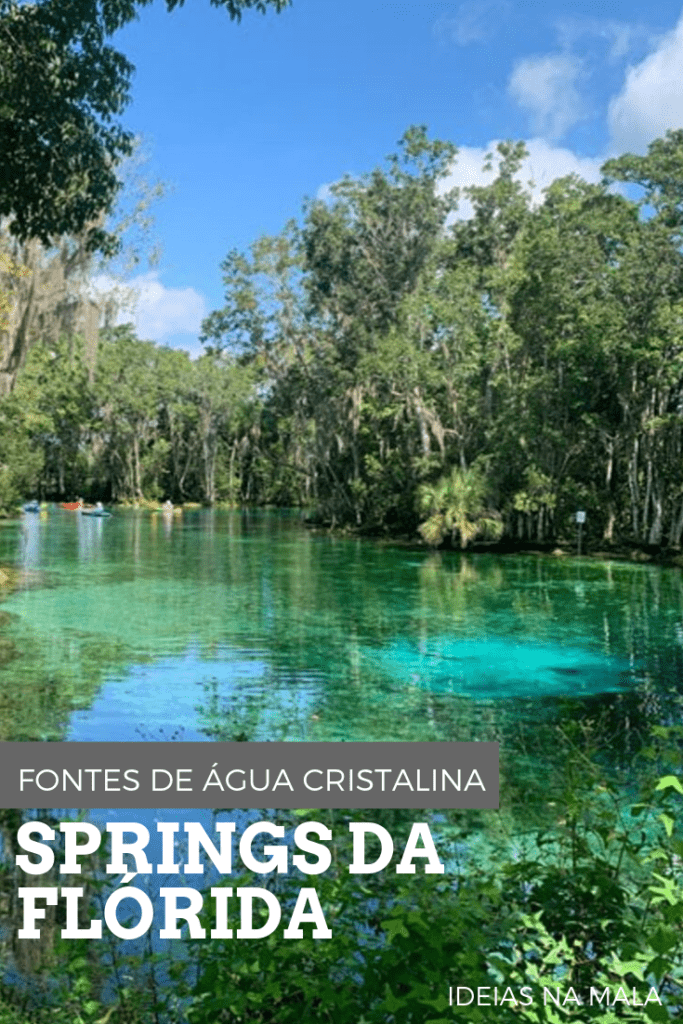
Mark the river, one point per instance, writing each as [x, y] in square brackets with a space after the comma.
[227, 624]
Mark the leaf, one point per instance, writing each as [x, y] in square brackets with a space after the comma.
[670, 782]
[394, 927]
[663, 940]
[668, 823]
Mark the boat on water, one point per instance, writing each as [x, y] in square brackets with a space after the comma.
[95, 510]
[86, 510]
[32, 506]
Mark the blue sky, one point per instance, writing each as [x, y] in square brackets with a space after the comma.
[245, 120]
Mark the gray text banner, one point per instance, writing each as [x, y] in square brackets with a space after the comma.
[249, 775]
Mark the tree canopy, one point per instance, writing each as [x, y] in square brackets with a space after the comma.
[396, 369]
[63, 88]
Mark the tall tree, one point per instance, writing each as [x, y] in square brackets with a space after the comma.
[59, 408]
[62, 88]
[127, 383]
[363, 255]
[48, 291]
[364, 250]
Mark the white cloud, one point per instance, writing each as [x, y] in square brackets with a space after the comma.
[546, 162]
[651, 100]
[158, 312]
[545, 87]
[324, 193]
[619, 37]
[475, 21]
[543, 165]
[162, 311]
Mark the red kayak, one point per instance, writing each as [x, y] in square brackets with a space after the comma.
[72, 506]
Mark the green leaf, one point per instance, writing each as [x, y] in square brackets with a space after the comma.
[670, 782]
[668, 823]
[394, 927]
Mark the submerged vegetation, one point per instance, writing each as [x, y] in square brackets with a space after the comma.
[389, 367]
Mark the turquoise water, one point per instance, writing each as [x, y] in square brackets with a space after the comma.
[497, 669]
[225, 624]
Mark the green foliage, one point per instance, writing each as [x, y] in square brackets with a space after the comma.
[592, 900]
[20, 462]
[148, 423]
[14, 269]
[58, 406]
[364, 251]
[59, 146]
[538, 492]
[59, 136]
[595, 900]
[659, 174]
[371, 359]
[456, 505]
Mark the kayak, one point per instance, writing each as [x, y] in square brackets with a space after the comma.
[100, 512]
[72, 506]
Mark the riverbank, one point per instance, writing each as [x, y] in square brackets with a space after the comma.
[620, 551]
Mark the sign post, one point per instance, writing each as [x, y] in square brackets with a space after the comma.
[580, 520]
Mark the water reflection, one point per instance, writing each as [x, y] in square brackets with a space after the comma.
[216, 624]
[90, 531]
[30, 545]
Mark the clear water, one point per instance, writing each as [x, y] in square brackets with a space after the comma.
[226, 624]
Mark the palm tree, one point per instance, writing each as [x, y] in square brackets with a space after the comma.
[456, 505]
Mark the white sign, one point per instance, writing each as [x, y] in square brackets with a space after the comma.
[581, 517]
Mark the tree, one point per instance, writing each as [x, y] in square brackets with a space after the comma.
[20, 460]
[47, 298]
[58, 409]
[650, 375]
[456, 507]
[13, 269]
[362, 257]
[659, 174]
[178, 418]
[557, 411]
[364, 251]
[127, 386]
[48, 291]
[221, 393]
[62, 88]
